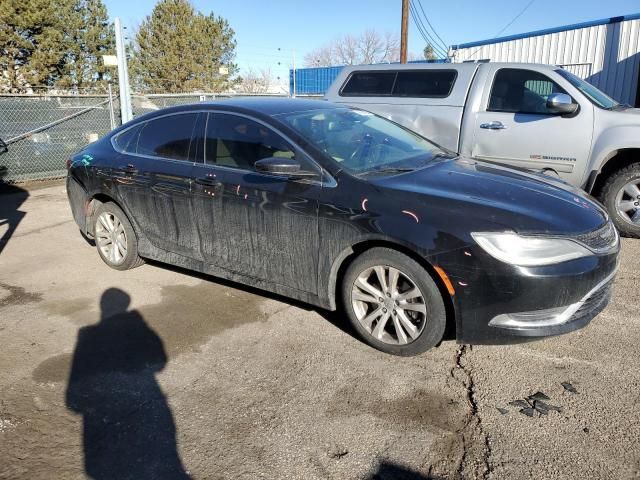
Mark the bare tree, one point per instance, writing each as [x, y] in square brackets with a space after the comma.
[253, 81]
[369, 47]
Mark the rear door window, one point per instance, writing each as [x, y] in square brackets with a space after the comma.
[424, 83]
[167, 137]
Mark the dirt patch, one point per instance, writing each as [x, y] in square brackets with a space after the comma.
[187, 316]
[421, 407]
[14, 295]
[53, 369]
[72, 308]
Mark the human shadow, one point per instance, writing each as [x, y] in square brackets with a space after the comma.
[11, 198]
[392, 471]
[128, 427]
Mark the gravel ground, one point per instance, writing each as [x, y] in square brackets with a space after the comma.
[160, 373]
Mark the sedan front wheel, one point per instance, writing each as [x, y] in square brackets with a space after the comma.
[393, 303]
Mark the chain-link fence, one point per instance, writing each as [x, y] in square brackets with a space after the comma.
[44, 129]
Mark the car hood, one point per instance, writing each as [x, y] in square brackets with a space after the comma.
[501, 196]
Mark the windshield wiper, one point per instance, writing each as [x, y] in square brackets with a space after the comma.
[389, 170]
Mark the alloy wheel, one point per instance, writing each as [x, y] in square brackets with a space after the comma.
[628, 202]
[389, 305]
[111, 238]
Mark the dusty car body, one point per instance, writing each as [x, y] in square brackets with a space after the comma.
[343, 209]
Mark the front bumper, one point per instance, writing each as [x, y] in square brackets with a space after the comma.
[498, 303]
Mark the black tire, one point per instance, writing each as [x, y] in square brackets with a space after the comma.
[131, 259]
[608, 196]
[432, 323]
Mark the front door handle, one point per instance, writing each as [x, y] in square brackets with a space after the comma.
[495, 125]
[208, 181]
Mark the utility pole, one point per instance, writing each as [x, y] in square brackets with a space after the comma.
[404, 31]
[123, 74]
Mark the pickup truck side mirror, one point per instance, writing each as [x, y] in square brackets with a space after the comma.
[561, 103]
[283, 167]
[3, 147]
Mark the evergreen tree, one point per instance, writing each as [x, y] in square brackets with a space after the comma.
[89, 37]
[45, 43]
[178, 49]
[30, 42]
[428, 52]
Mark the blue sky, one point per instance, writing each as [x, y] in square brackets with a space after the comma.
[264, 26]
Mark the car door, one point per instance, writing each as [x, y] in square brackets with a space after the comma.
[252, 223]
[516, 128]
[153, 177]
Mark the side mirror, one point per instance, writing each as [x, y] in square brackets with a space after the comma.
[284, 167]
[3, 147]
[561, 103]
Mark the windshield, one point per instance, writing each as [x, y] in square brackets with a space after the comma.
[597, 97]
[363, 143]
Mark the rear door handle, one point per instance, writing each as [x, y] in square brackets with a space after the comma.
[495, 125]
[129, 168]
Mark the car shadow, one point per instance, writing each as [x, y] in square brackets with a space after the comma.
[128, 428]
[336, 318]
[11, 199]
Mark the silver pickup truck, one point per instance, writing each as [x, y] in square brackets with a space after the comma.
[537, 117]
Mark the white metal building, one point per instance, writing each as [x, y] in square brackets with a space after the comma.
[604, 52]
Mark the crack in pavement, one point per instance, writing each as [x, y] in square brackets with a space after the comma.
[474, 439]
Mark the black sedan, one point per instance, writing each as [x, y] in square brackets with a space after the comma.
[341, 208]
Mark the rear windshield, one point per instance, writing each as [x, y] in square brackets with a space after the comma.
[400, 83]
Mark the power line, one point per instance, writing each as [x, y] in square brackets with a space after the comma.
[515, 18]
[442, 42]
[424, 34]
[526, 7]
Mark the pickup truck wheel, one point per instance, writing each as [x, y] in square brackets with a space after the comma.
[621, 197]
[393, 303]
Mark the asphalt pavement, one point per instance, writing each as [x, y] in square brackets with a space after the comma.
[158, 372]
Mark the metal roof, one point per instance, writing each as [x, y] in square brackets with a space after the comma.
[546, 31]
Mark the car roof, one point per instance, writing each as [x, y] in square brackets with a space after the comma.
[273, 105]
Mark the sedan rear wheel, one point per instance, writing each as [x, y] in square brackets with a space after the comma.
[393, 302]
[115, 239]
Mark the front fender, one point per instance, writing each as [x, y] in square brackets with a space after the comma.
[609, 143]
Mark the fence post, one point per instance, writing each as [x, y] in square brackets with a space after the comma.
[112, 115]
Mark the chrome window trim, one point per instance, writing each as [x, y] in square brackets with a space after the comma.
[326, 180]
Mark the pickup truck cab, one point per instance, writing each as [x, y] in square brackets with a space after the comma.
[532, 116]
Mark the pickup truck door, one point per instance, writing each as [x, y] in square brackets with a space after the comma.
[513, 125]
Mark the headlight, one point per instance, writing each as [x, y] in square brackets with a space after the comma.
[509, 247]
